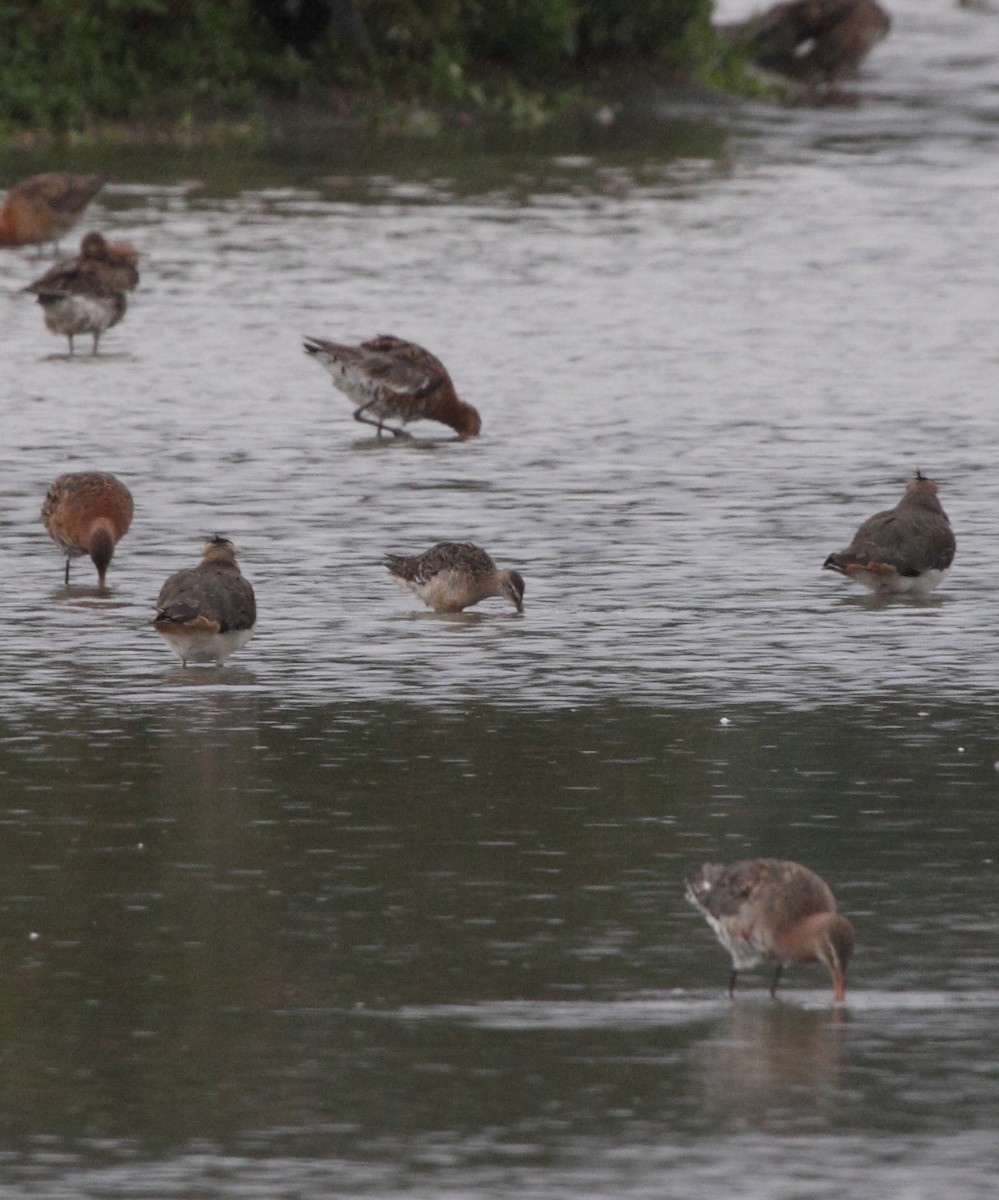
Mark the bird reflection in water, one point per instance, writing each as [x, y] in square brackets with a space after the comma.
[764, 1061]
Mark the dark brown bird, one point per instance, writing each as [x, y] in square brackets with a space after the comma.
[86, 294]
[906, 549]
[770, 910]
[207, 612]
[387, 377]
[88, 512]
[817, 40]
[44, 207]
[453, 575]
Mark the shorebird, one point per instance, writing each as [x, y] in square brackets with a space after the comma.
[207, 612]
[86, 294]
[88, 512]
[388, 377]
[770, 910]
[906, 549]
[817, 40]
[44, 207]
[452, 575]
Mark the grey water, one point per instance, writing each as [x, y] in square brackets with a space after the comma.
[391, 904]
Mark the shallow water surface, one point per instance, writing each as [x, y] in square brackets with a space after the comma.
[391, 904]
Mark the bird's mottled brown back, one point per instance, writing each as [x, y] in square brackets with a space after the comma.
[912, 537]
[782, 889]
[100, 269]
[214, 591]
[465, 557]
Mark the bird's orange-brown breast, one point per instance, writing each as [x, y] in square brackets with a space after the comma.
[43, 207]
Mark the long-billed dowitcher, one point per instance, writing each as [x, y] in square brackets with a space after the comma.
[771, 910]
[86, 294]
[906, 549]
[44, 207]
[453, 575]
[207, 612]
[88, 512]
[388, 377]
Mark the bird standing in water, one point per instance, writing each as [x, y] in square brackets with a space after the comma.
[906, 549]
[43, 207]
[88, 512]
[817, 40]
[86, 294]
[388, 377]
[771, 910]
[453, 575]
[207, 612]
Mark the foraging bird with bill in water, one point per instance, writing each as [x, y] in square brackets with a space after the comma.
[452, 576]
[207, 612]
[88, 512]
[908, 548]
[776, 911]
[388, 377]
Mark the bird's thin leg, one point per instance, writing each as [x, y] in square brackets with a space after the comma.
[97, 338]
[67, 571]
[731, 983]
[773, 986]
[379, 424]
[359, 416]
[70, 336]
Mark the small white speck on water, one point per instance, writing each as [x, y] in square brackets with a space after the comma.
[724, 721]
[960, 749]
[33, 937]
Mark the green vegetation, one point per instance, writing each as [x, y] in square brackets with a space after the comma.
[68, 64]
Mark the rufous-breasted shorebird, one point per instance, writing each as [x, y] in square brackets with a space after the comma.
[388, 377]
[43, 207]
[453, 575]
[771, 910]
[906, 549]
[207, 612]
[86, 294]
[88, 512]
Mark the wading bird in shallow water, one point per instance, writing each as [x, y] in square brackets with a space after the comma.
[816, 40]
[44, 207]
[88, 512]
[86, 294]
[770, 910]
[207, 612]
[906, 549]
[453, 575]
[387, 377]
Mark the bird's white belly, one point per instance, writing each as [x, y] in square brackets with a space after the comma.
[204, 645]
[744, 953]
[78, 314]
[898, 585]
